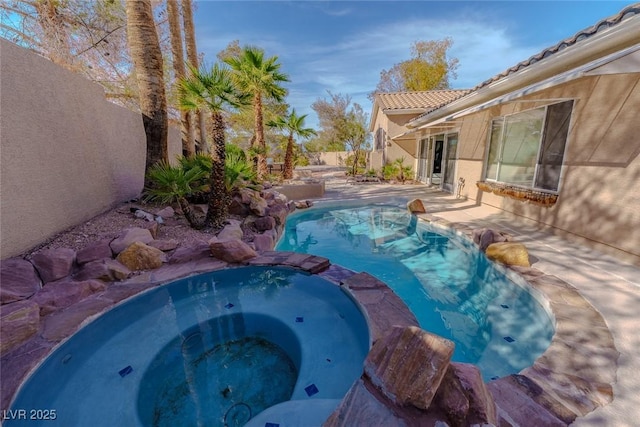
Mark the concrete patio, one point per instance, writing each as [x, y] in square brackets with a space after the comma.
[611, 286]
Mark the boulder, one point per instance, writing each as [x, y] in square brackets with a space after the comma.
[127, 237]
[236, 207]
[190, 253]
[265, 223]
[107, 270]
[509, 253]
[19, 321]
[279, 213]
[408, 364]
[464, 397]
[153, 228]
[263, 242]
[258, 206]
[416, 206]
[139, 256]
[54, 264]
[18, 280]
[483, 237]
[164, 245]
[94, 252]
[303, 204]
[231, 231]
[231, 251]
[61, 294]
[167, 212]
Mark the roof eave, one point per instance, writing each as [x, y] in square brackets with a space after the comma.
[621, 36]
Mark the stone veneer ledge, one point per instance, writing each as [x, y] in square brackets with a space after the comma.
[571, 378]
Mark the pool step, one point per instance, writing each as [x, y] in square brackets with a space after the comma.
[296, 413]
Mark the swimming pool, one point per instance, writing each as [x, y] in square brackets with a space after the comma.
[213, 349]
[451, 287]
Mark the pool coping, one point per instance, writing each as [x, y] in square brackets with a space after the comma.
[571, 378]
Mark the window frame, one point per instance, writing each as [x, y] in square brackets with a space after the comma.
[543, 133]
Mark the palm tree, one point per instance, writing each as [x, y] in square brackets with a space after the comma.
[175, 33]
[147, 63]
[293, 124]
[261, 78]
[213, 91]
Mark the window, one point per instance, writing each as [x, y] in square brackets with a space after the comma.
[527, 148]
[380, 139]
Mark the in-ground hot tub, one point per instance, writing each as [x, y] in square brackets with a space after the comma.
[251, 344]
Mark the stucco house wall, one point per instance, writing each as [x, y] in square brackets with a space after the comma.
[67, 154]
[599, 194]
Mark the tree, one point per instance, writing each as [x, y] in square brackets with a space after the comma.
[88, 37]
[261, 78]
[214, 91]
[175, 33]
[294, 125]
[352, 129]
[428, 69]
[147, 61]
[330, 113]
[192, 58]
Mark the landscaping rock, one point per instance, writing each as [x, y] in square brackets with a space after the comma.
[94, 252]
[62, 294]
[258, 206]
[408, 365]
[190, 253]
[416, 206]
[231, 231]
[107, 270]
[303, 204]
[167, 212]
[54, 264]
[279, 213]
[18, 280]
[127, 237]
[236, 207]
[265, 223]
[509, 253]
[139, 256]
[231, 251]
[153, 228]
[484, 237]
[263, 242]
[464, 397]
[19, 321]
[164, 245]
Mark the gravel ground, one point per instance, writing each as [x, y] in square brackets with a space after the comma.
[110, 224]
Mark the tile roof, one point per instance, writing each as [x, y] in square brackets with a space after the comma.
[611, 21]
[627, 12]
[426, 100]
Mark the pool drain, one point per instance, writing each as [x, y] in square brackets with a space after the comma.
[237, 415]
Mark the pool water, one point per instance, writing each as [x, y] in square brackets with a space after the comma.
[450, 286]
[216, 349]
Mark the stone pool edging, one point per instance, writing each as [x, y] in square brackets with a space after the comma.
[571, 378]
[575, 375]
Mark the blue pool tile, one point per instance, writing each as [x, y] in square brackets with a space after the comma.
[509, 339]
[311, 390]
[228, 306]
[504, 306]
[125, 371]
[272, 425]
[299, 319]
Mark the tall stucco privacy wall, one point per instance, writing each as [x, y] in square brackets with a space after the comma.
[66, 153]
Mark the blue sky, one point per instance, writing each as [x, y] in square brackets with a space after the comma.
[341, 46]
